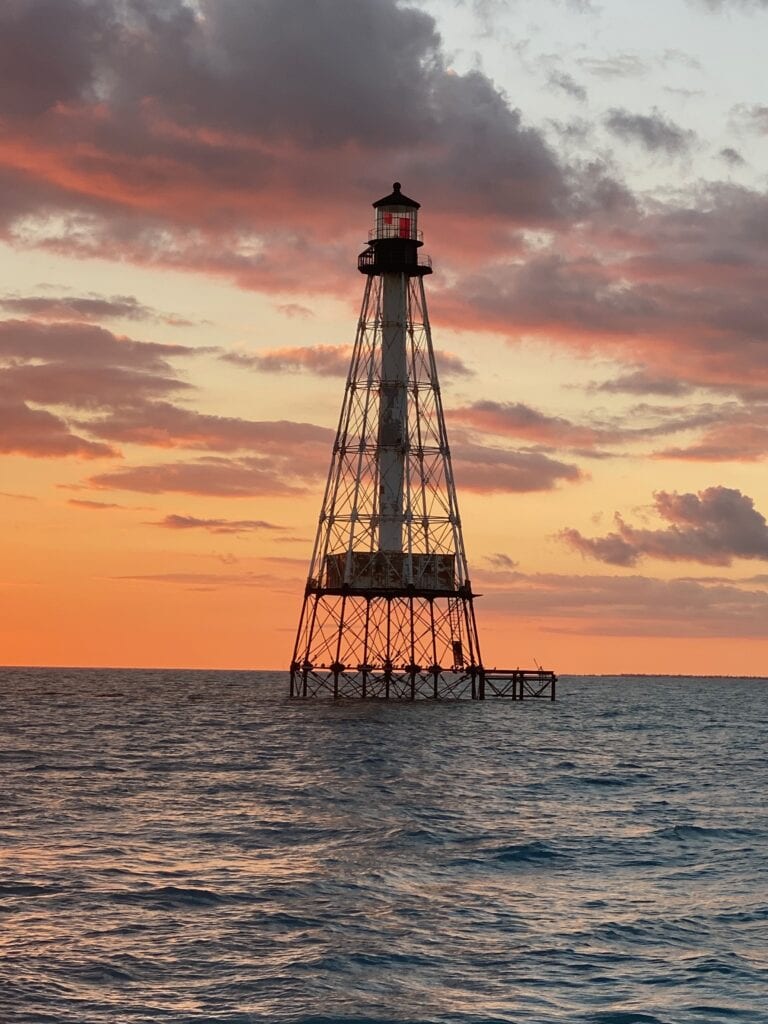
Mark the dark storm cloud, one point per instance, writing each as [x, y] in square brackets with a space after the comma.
[110, 149]
[712, 527]
[359, 72]
[653, 131]
[211, 122]
[48, 53]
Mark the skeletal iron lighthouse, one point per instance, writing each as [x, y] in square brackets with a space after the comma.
[388, 604]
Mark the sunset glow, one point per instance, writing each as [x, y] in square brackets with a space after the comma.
[179, 242]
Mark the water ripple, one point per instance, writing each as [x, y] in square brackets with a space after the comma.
[193, 848]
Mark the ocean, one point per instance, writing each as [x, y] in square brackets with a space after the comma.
[193, 847]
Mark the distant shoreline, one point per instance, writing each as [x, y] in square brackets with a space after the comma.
[565, 676]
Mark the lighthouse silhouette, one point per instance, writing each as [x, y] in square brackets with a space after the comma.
[388, 607]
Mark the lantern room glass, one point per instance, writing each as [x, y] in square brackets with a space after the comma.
[396, 222]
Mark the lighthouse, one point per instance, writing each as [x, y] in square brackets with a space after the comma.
[388, 608]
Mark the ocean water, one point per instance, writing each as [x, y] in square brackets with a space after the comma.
[192, 847]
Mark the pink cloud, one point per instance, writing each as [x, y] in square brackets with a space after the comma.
[39, 434]
[326, 360]
[79, 308]
[218, 477]
[86, 387]
[92, 505]
[712, 527]
[179, 522]
[627, 605]
[489, 470]
[110, 150]
[84, 345]
[161, 425]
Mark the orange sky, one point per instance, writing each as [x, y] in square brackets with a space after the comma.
[179, 236]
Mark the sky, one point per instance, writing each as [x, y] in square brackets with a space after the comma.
[184, 188]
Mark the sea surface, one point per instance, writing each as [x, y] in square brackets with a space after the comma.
[193, 847]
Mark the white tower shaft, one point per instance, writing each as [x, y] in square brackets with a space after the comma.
[393, 411]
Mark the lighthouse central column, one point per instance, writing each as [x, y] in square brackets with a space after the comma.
[393, 411]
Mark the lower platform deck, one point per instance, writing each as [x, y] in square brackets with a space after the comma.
[474, 683]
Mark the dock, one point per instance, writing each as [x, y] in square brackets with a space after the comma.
[518, 683]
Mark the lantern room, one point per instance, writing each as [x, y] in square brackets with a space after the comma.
[394, 243]
[396, 217]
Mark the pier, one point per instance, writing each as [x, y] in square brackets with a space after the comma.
[518, 683]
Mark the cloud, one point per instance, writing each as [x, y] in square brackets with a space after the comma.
[325, 361]
[179, 522]
[732, 157]
[751, 117]
[86, 387]
[162, 425]
[294, 309]
[488, 470]
[113, 150]
[683, 295]
[322, 360]
[214, 476]
[92, 505]
[18, 497]
[82, 308]
[653, 131]
[206, 580]
[568, 84]
[500, 561]
[640, 382]
[39, 434]
[627, 605]
[712, 527]
[84, 344]
[721, 5]
[737, 435]
[516, 419]
[621, 65]
[44, 57]
[451, 365]
[612, 549]
[75, 366]
[281, 468]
